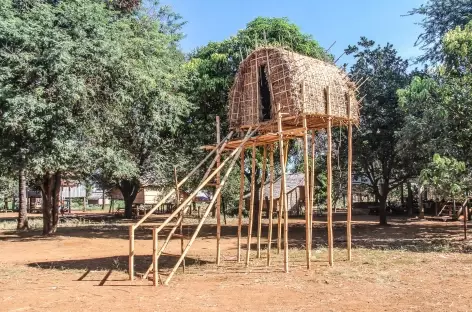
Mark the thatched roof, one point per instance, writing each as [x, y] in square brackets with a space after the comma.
[297, 83]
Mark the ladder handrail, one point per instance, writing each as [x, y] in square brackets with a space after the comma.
[172, 191]
[205, 182]
[234, 157]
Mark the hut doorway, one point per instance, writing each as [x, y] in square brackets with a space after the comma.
[264, 92]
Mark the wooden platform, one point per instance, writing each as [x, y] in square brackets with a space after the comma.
[292, 129]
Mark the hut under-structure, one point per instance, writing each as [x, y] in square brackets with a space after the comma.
[277, 96]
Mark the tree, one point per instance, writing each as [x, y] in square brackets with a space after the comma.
[447, 176]
[144, 145]
[378, 154]
[57, 96]
[439, 17]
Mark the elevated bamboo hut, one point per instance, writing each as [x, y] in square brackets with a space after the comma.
[277, 96]
[274, 77]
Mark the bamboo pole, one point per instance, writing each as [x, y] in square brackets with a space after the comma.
[261, 202]
[330, 180]
[251, 203]
[131, 253]
[166, 197]
[283, 194]
[271, 203]
[466, 217]
[155, 269]
[312, 185]
[181, 216]
[218, 200]
[349, 180]
[241, 202]
[307, 195]
[233, 156]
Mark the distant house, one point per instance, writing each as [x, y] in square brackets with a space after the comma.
[295, 188]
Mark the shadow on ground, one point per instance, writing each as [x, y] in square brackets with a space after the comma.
[400, 234]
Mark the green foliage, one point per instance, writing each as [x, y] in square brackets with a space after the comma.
[378, 153]
[439, 17]
[448, 176]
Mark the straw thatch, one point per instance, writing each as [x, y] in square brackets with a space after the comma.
[297, 83]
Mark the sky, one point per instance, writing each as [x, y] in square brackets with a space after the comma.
[343, 21]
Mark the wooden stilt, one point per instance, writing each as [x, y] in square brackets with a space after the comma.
[261, 202]
[330, 181]
[131, 253]
[251, 203]
[233, 156]
[155, 269]
[218, 200]
[349, 179]
[241, 203]
[307, 194]
[283, 194]
[271, 203]
[312, 185]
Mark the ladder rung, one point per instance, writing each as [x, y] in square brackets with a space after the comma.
[213, 184]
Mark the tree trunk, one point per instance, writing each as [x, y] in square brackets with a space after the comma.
[5, 203]
[50, 189]
[402, 199]
[409, 202]
[129, 189]
[23, 207]
[383, 210]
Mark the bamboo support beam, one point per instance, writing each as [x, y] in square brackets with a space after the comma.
[312, 185]
[241, 203]
[330, 181]
[233, 158]
[181, 215]
[251, 204]
[261, 202]
[307, 195]
[131, 253]
[271, 203]
[349, 181]
[155, 269]
[218, 200]
[283, 194]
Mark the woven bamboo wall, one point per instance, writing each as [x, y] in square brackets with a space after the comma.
[297, 83]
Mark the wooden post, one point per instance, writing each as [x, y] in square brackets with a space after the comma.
[349, 179]
[330, 180]
[251, 203]
[155, 268]
[218, 200]
[466, 217]
[241, 203]
[307, 194]
[271, 202]
[261, 202]
[181, 216]
[283, 194]
[131, 253]
[312, 185]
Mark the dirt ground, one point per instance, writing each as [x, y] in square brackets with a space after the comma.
[409, 265]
